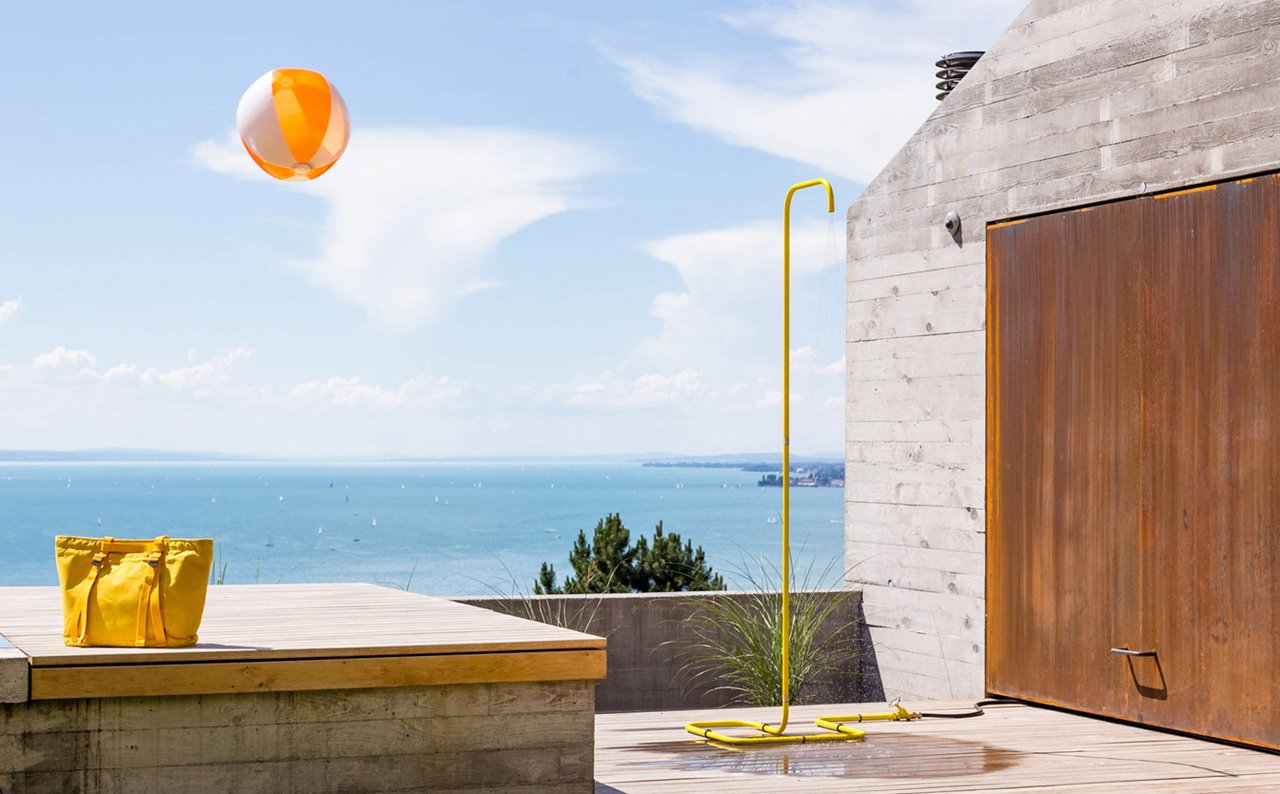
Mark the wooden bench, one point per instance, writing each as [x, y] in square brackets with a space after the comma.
[308, 688]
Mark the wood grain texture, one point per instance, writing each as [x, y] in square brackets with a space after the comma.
[185, 678]
[1079, 101]
[297, 637]
[1015, 748]
[1134, 439]
[259, 622]
[1065, 401]
[1210, 524]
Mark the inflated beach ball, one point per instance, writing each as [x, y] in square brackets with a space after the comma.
[294, 123]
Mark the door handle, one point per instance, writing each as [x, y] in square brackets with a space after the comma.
[1127, 652]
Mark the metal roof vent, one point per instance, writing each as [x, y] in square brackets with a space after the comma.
[952, 69]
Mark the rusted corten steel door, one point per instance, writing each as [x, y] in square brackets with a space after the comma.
[1133, 460]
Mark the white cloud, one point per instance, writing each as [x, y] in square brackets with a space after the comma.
[120, 372]
[227, 157]
[62, 368]
[65, 399]
[9, 309]
[64, 358]
[586, 393]
[415, 215]
[839, 86]
[802, 357]
[732, 281]
[771, 399]
[216, 377]
[713, 367]
[210, 377]
[416, 392]
[617, 388]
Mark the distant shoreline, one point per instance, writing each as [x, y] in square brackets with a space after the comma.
[804, 473]
[759, 462]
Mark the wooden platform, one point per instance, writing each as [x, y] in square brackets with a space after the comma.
[268, 638]
[315, 688]
[1012, 748]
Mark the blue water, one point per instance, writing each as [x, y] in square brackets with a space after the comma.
[457, 529]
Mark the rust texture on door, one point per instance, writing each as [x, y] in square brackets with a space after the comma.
[1133, 449]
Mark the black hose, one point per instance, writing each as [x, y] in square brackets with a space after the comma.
[976, 711]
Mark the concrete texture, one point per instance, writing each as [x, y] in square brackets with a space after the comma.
[15, 674]
[1079, 101]
[527, 737]
[646, 633]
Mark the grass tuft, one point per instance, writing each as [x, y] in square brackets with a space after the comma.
[737, 641]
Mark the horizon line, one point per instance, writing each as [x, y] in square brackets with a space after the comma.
[145, 455]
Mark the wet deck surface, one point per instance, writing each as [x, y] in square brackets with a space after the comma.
[1009, 749]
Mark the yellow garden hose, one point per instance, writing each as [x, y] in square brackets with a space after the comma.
[841, 724]
[838, 728]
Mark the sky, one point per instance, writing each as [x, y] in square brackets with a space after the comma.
[556, 229]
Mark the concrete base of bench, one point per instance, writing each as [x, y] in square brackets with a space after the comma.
[523, 737]
[15, 675]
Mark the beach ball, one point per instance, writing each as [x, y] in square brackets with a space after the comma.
[294, 123]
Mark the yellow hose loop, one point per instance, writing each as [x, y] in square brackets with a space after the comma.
[706, 731]
[840, 729]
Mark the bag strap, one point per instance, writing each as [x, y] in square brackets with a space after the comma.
[149, 598]
[77, 622]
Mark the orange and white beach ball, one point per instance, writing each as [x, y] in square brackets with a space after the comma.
[294, 123]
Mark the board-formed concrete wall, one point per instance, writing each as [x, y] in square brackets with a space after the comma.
[1079, 101]
[647, 632]
[513, 737]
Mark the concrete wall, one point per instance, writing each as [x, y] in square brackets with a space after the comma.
[524, 737]
[1079, 101]
[15, 673]
[645, 633]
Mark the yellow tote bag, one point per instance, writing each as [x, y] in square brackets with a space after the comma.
[132, 593]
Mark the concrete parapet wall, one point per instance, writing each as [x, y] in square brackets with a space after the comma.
[646, 632]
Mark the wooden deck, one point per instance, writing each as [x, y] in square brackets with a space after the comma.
[315, 688]
[1012, 748]
[266, 638]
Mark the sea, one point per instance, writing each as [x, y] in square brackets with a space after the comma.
[447, 529]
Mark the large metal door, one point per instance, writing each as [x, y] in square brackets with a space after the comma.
[1064, 468]
[1133, 454]
[1211, 444]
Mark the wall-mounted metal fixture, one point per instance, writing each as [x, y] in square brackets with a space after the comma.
[952, 68]
[952, 224]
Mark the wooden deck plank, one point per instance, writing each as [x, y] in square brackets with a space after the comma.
[266, 622]
[208, 678]
[1012, 748]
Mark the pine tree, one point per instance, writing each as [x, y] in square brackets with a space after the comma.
[546, 584]
[670, 568]
[608, 564]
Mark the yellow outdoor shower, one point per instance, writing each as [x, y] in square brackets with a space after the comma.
[838, 728]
